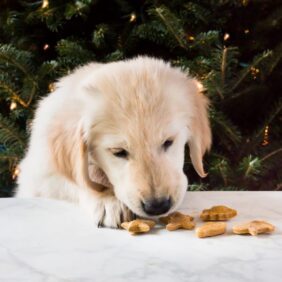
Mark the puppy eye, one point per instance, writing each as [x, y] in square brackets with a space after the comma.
[121, 154]
[167, 144]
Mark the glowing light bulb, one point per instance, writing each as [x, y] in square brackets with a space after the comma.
[16, 172]
[226, 36]
[254, 71]
[132, 17]
[265, 136]
[13, 106]
[45, 4]
[51, 87]
[45, 47]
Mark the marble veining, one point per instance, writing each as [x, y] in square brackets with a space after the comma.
[49, 241]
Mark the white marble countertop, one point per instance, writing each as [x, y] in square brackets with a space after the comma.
[48, 240]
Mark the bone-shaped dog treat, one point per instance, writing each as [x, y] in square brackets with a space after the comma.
[178, 220]
[138, 226]
[254, 228]
[210, 229]
[218, 213]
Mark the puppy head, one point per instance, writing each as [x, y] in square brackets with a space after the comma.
[147, 112]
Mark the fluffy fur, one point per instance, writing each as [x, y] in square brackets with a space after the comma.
[99, 109]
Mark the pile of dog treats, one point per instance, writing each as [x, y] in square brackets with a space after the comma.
[214, 217]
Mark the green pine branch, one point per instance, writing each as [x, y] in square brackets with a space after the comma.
[10, 135]
[155, 32]
[172, 24]
[72, 54]
[11, 61]
[22, 60]
[198, 11]
[197, 187]
[271, 154]
[99, 36]
[204, 40]
[219, 166]
[245, 72]
[9, 160]
[224, 128]
[9, 89]
[250, 166]
[257, 136]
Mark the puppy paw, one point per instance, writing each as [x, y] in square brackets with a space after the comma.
[106, 211]
[112, 213]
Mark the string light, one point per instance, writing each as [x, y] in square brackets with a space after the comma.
[45, 4]
[245, 2]
[265, 136]
[51, 87]
[16, 172]
[200, 87]
[132, 17]
[246, 31]
[46, 47]
[254, 72]
[13, 106]
[226, 36]
[191, 38]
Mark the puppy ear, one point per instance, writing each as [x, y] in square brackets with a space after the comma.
[70, 155]
[200, 140]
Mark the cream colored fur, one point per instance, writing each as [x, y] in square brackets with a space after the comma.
[135, 105]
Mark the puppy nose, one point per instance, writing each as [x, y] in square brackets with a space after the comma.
[156, 206]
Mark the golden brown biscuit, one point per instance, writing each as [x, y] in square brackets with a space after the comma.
[177, 220]
[138, 226]
[218, 213]
[254, 227]
[210, 229]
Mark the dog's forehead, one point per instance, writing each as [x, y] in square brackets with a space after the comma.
[133, 137]
[141, 83]
[141, 97]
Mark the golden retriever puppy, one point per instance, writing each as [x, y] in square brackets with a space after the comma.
[111, 138]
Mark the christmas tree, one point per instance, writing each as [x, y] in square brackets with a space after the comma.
[233, 47]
